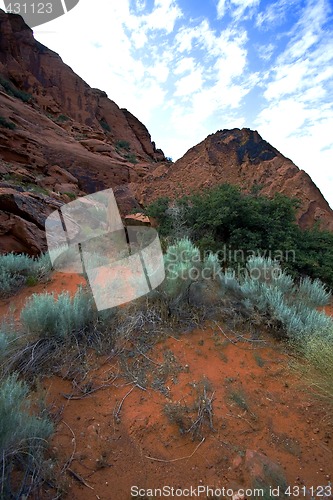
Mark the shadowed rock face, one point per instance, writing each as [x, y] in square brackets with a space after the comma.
[243, 158]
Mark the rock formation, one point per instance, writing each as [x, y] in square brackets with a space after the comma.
[242, 158]
[60, 139]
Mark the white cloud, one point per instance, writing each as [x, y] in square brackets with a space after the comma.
[265, 52]
[183, 65]
[274, 14]
[221, 8]
[236, 8]
[189, 84]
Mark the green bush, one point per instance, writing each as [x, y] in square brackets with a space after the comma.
[237, 225]
[10, 89]
[23, 440]
[62, 118]
[7, 124]
[318, 351]
[131, 157]
[16, 269]
[268, 289]
[122, 144]
[63, 317]
[182, 265]
[105, 126]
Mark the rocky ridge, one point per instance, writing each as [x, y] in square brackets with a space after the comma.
[243, 158]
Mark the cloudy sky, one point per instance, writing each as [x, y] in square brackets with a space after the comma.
[187, 68]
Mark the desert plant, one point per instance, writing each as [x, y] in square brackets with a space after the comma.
[10, 89]
[16, 269]
[182, 266]
[23, 440]
[122, 144]
[313, 292]
[317, 372]
[62, 118]
[226, 217]
[6, 124]
[49, 317]
[105, 126]
[131, 157]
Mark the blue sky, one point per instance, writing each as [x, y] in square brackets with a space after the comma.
[187, 68]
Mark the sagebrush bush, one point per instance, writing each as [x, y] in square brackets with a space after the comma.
[60, 317]
[267, 288]
[23, 439]
[313, 293]
[182, 267]
[15, 269]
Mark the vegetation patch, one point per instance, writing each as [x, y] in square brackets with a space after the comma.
[122, 144]
[13, 91]
[23, 441]
[7, 124]
[105, 126]
[17, 269]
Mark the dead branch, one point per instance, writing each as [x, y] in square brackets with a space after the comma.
[176, 459]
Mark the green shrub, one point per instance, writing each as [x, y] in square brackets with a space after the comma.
[62, 317]
[268, 289]
[318, 351]
[62, 118]
[23, 440]
[105, 126]
[182, 266]
[122, 144]
[7, 124]
[15, 269]
[224, 218]
[72, 196]
[131, 157]
[10, 89]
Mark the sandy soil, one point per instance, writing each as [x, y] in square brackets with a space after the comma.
[126, 422]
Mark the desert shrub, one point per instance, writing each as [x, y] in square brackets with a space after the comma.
[10, 89]
[23, 440]
[62, 118]
[16, 269]
[63, 317]
[7, 124]
[318, 351]
[3, 346]
[9, 283]
[312, 292]
[226, 218]
[270, 290]
[105, 126]
[131, 157]
[122, 144]
[182, 267]
[211, 267]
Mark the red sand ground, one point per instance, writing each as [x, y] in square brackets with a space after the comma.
[104, 451]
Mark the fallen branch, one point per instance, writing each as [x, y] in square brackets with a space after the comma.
[70, 460]
[175, 459]
[116, 414]
[79, 478]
